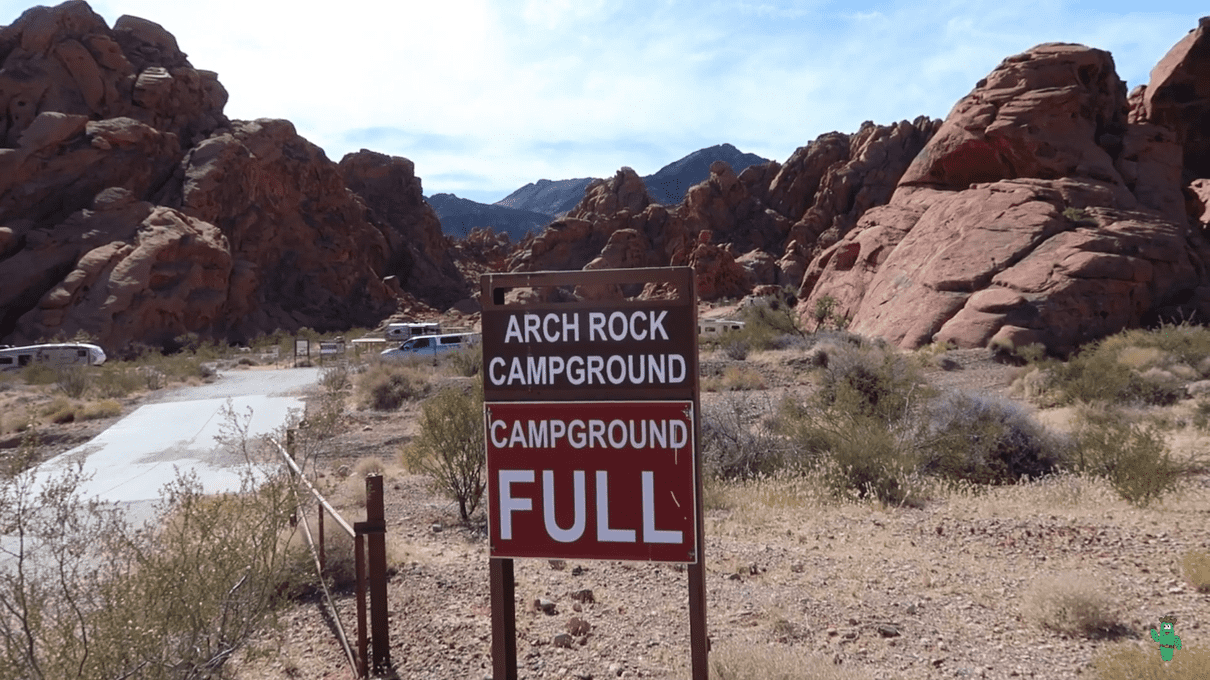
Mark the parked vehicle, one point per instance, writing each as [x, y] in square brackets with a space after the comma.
[716, 327]
[54, 354]
[404, 331]
[432, 345]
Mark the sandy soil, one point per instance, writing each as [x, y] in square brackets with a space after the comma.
[868, 591]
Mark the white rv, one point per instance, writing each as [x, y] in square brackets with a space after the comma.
[55, 354]
[404, 331]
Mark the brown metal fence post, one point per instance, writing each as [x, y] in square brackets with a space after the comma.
[362, 640]
[376, 526]
[323, 559]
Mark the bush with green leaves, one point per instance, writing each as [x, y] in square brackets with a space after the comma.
[986, 440]
[450, 449]
[1133, 458]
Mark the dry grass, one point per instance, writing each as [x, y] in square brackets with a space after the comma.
[1071, 603]
[734, 379]
[776, 662]
[1196, 566]
[1129, 661]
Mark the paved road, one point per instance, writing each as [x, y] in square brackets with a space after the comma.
[132, 460]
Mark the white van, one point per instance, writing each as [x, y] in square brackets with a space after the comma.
[403, 331]
[432, 345]
[54, 354]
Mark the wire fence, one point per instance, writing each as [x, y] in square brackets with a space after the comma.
[369, 553]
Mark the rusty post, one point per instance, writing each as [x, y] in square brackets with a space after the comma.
[323, 559]
[377, 576]
[504, 619]
[362, 640]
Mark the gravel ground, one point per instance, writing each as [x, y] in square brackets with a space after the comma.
[881, 593]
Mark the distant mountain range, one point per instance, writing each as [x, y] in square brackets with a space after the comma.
[537, 204]
[459, 215]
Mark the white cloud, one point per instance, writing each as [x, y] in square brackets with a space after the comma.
[487, 95]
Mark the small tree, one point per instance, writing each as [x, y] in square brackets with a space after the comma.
[450, 447]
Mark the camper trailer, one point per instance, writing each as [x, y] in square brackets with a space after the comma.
[404, 331]
[54, 355]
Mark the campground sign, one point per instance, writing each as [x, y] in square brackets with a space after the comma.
[591, 425]
[592, 480]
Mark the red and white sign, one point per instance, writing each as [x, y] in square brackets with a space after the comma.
[609, 480]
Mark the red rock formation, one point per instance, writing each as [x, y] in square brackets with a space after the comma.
[1178, 97]
[131, 208]
[1037, 212]
[762, 226]
[420, 253]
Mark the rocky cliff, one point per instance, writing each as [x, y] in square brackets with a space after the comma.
[132, 209]
[1044, 210]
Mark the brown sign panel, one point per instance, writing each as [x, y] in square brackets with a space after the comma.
[619, 349]
[592, 480]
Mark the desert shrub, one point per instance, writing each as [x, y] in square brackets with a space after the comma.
[748, 662]
[769, 323]
[1134, 459]
[335, 378]
[871, 379]
[737, 442]
[386, 386]
[100, 409]
[1097, 376]
[87, 596]
[825, 313]
[734, 379]
[1071, 603]
[60, 410]
[860, 455]
[1196, 566]
[449, 449]
[38, 374]
[466, 362]
[1135, 366]
[986, 440]
[1130, 662]
[114, 382]
[736, 348]
[73, 381]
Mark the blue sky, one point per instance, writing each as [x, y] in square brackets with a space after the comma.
[488, 95]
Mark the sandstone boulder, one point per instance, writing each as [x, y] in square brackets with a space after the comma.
[1037, 212]
[1178, 97]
